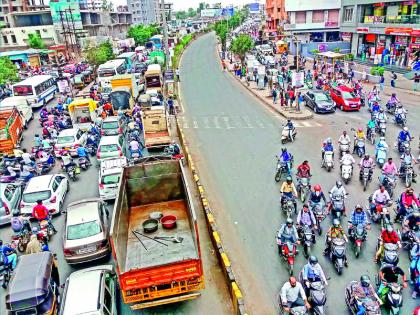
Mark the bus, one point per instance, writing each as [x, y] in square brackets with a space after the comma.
[157, 41]
[110, 69]
[39, 89]
[130, 58]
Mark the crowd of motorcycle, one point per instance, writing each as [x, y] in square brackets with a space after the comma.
[308, 291]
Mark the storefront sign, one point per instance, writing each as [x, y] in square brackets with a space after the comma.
[297, 79]
[346, 37]
[415, 33]
[374, 19]
[401, 40]
[398, 31]
[415, 46]
[331, 23]
[322, 47]
[362, 30]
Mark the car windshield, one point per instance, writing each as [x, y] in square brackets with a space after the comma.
[322, 97]
[65, 139]
[37, 195]
[110, 125]
[347, 95]
[83, 230]
[111, 179]
[108, 148]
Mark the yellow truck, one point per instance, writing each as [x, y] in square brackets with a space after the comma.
[156, 127]
[124, 92]
[153, 77]
[82, 112]
[126, 81]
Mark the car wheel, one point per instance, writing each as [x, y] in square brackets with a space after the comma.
[342, 108]
[316, 109]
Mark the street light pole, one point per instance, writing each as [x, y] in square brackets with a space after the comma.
[165, 34]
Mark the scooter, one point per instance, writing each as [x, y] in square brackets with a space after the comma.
[307, 237]
[390, 107]
[344, 147]
[297, 310]
[317, 297]
[319, 213]
[72, 172]
[390, 255]
[328, 161]
[407, 175]
[381, 127]
[393, 298]
[337, 206]
[357, 236]
[360, 147]
[381, 154]
[83, 163]
[365, 177]
[285, 134]
[288, 251]
[338, 254]
[346, 172]
[371, 305]
[304, 188]
[401, 120]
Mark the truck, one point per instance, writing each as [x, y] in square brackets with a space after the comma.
[11, 129]
[156, 132]
[162, 266]
[125, 81]
[153, 77]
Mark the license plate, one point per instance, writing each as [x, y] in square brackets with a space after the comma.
[87, 250]
[353, 106]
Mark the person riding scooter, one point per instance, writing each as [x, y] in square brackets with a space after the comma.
[288, 190]
[388, 236]
[358, 136]
[335, 231]
[313, 272]
[327, 146]
[344, 141]
[363, 291]
[366, 162]
[347, 159]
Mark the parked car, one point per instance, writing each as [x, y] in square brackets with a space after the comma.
[70, 140]
[91, 291]
[51, 189]
[110, 147]
[109, 177]
[319, 102]
[86, 234]
[10, 195]
[345, 98]
[111, 126]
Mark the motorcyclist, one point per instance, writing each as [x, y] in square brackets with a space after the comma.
[67, 160]
[293, 295]
[288, 190]
[304, 170]
[400, 110]
[415, 265]
[407, 199]
[313, 272]
[82, 152]
[93, 128]
[407, 158]
[335, 231]
[347, 159]
[306, 217]
[388, 236]
[286, 158]
[389, 168]
[370, 127]
[364, 291]
[40, 213]
[366, 162]
[9, 256]
[344, 139]
[135, 147]
[375, 108]
[288, 232]
[338, 190]
[91, 139]
[381, 115]
[412, 222]
[358, 216]
[379, 197]
[327, 146]
[389, 274]
[403, 136]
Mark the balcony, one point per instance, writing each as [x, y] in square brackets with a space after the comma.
[396, 19]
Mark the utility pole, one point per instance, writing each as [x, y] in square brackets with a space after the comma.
[165, 34]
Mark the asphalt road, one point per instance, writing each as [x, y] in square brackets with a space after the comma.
[234, 139]
[215, 298]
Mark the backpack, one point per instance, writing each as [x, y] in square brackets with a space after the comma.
[16, 224]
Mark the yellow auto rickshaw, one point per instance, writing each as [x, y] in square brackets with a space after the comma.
[82, 112]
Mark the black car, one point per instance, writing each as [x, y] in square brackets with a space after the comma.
[319, 102]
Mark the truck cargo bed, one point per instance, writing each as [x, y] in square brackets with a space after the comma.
[156, 138]
[157, 254]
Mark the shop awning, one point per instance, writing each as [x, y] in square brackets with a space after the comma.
[331, 54]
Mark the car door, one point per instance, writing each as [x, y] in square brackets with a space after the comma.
[110, 294]
[310, 100]
[8, 196]
[60, 186]
[16, 196]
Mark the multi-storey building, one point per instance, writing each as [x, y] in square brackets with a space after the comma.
[275, 14]
[143, 11]
[387, 31]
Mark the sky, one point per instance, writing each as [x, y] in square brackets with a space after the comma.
[185, 4]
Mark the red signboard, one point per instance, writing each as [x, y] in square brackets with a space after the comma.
[330, 23]
[362, 30]
[415, 33]
[398, 31]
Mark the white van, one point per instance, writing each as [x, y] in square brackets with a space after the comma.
[22, 105]
[91, 291]
[109, 177]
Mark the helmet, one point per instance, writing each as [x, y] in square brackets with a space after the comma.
[381, 110]
[365, 280]
[329, 141]
[359, 129]
[16, 213]
[394, 94]
[34, 230]
[358, 206]
[366, 157]
[313, 260]
[289, 221]
[338, 183]
[317, 188]
[405, 129]
[336, 223]
[288, 178]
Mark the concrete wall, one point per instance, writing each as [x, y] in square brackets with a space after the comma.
[47, 33]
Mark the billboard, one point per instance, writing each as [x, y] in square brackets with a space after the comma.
[211, 13]
[68, 11]
[254, 7]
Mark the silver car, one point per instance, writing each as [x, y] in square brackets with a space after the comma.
[10, 195]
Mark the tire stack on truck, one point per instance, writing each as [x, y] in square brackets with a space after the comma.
[11, 129]
[154, 235]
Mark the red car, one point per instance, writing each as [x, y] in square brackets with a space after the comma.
[345, 98]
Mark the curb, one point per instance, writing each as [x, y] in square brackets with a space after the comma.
[224, 261]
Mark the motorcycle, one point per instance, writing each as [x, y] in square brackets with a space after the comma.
[402, 146]
[343, 147]
[288, 206]
[46, 230]
[392, 298]
[281, 169]
[346, 172]
[288, 251]
[401, 120]
[357, 236]
[72, 172]
[380, 214]
[319, 213]
[337, 206]
[304, 188]
[389, 182]
[408, 173]
[83, 163]
[381, 127]
[338, 254]
[391, 106]
[285, 134]
[328, 161]
[21, 240]
[297, 310]
[317, 297]
[381, 156]
[371, 305]
[360, 147]
[365, 177]
[390, 255]
[307, 237]
[5, 274]
[91, 148]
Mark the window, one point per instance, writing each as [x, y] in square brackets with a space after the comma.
[300, 17]
[318, 16]
[107, 301]
[348, 14]
[5, 40]
[55, 185]
[14, 39]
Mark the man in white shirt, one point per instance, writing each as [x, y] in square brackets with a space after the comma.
[293, 295]
[27, 157]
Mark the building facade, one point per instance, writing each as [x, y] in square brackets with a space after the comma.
[275, 13]
[143, 11]
[313, 21]
[386, 31]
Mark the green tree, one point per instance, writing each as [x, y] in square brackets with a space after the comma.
[221, 28]
[142, 33]
[35, 41]
[201, 7]
[8, 71]
[181, 15]
[241, 45]
[191, 12]
[100, 54]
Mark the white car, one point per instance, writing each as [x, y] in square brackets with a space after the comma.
[109, 177]
[51, 189]
[70, 140]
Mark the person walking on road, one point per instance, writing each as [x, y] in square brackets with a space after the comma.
[393, 78]
[274, 93]
[177, 74]
[416, 79]
[381, 83]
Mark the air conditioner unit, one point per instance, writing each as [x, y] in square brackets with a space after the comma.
[44, 30]
[23, 31]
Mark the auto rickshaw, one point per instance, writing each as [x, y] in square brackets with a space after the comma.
[78, 81]
[144, 101]
[88, 76]
[33, 288]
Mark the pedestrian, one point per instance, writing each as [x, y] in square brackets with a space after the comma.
[416, 79]
[177, 74]
[393, 79]
[299, 101]
[274, 93]
[381, 83]
[270, 83]
[265, 80]
[292, 97]
[171, 105]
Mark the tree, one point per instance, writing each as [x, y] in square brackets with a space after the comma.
[201, 7]
[35, 41]
[181, 15]
[241, 45]
[191, 12]
[221, 29]
[142, 33]
[100, 54]
[8, 71]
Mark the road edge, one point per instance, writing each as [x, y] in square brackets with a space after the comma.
[224, 261]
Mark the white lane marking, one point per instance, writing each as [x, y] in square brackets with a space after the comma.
[216, 122]
[195, 124]
[260, 124]
[206, 122]
[226, 119]
[247, 122]
[184, 123]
